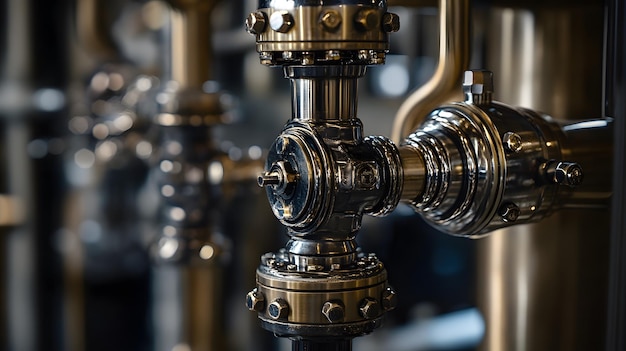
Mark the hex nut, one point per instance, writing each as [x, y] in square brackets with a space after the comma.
[369, 308]
[366, 19]
[509, 212]
[512, 142]
[333, 311]
[278, 309]
[330, 20]
[281, 21]
[255, 300]
[568, 173]
[256, 22]
[391, 22]
[389, 299]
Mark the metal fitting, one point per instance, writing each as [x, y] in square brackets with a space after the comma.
[564, 173]
[478, 87]
[256, 22]
[389, 299]
[366, 19]
[369, 308]
[255, 300]
[333, 311]
[512, 142]
[278, 309]
[391, 22]
[509, 212]
[330, 20]
[281, 21]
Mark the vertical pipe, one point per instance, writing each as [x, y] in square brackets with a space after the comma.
[542, 286]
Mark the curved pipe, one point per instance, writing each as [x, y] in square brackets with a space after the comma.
[454, 54]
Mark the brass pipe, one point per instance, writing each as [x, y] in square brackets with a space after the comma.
[454, 54]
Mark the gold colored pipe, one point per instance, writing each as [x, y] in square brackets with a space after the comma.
[454, 54]
[191, 49]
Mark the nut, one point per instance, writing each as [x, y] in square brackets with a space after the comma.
[333, 311]
[369, 308]
[281, 21]
[478, 87]
[568, 173]
[256, 23]
[331, 20]
[512, 142]
[255, 300]
[391, 22]
[278, 309]
[389, 299]
[509, 212]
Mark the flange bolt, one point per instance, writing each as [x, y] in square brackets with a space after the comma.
[278, 309]
[391, 22]
[369, 308]
[281, 21]
[389, 299]
[256, 23]
[255, 300]
[334, 311]
[509, 212]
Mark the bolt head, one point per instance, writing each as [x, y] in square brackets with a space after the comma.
[568, 173]
[369, 308]
[278, 309]
[389, 299]
[391, 22]
[256, 23]
[512, 142]
[366, 19]
[330, 20]
[333, 311]
[255, 300]
[509, 212]
[281, 21]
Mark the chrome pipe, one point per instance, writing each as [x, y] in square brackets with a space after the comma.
[454, 55]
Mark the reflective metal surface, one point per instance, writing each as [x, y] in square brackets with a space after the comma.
[454, 55]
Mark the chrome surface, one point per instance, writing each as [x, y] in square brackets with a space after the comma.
[489, 165]
[454, 56]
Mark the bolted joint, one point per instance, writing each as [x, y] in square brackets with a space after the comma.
[255, 300]
[330, 20]
[278, 309]
[389, 299]
[369, 308]
[281, 21]
[333, 311]
[391, 22]
[509, 212]
[256, 22]
[564, 173]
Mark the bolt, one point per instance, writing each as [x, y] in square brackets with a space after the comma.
[391, 22]
[369, 308]
[568, 173]
[512, 142]
[269, 178]
[331, 20]
[509, 212]
[478, 87]
[281, 144]
[366, 19]
[255, 300]
[389, 299]
[281, 21]
[366, 176]
[278, 309]
[256, 23]
[333, 55]
[334, 311]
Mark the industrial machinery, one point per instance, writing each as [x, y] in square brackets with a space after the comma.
[469, 168]
[516, 141]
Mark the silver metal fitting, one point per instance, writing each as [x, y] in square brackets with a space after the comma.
[478, 87]
[281, 21]
[512, 142]
[256, 22]
[509, 212]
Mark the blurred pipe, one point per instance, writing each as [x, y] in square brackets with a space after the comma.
[454, 55]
